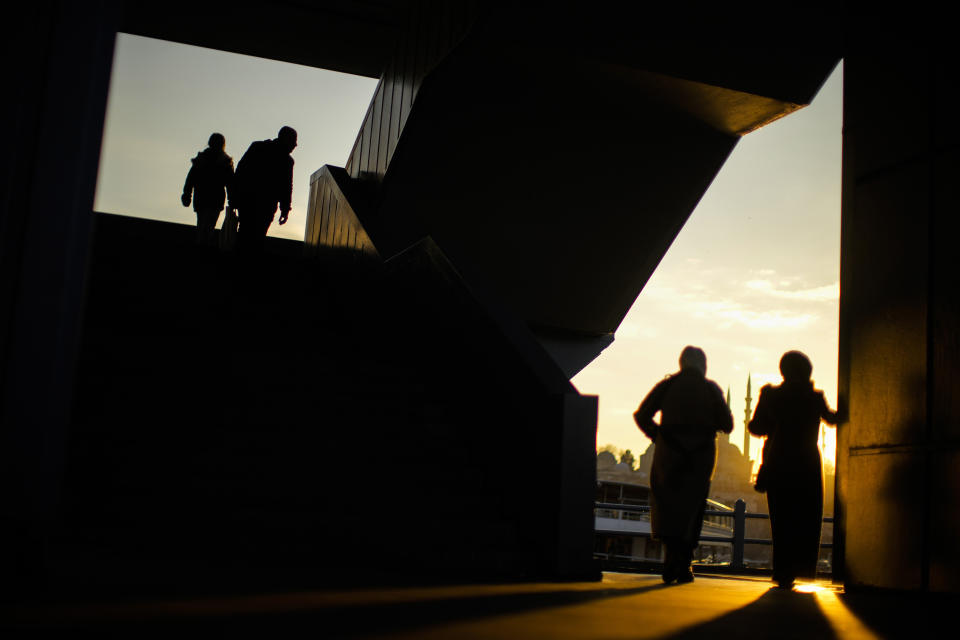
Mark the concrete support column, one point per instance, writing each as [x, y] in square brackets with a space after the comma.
[577, 489]
[898, 487]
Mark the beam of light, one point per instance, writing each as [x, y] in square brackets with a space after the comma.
[844, 622]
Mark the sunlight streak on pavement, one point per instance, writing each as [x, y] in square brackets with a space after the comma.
[844, 623]
[656, 612]
[619, 607]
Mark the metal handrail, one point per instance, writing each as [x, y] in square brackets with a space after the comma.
[645, 508]
[738, 539]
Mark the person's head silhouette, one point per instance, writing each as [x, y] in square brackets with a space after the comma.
[217, 141]
[795, 366]
[287, 138]
[693, 358]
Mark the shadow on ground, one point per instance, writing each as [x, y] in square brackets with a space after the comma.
[905, 615]
[354, 619]
[775, 614]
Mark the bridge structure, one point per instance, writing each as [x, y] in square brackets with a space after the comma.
[518, 176]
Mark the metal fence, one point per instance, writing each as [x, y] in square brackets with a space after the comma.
[739, 516]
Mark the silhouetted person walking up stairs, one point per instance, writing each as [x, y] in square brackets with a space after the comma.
[208, 182]
[692, 410]
[264, 180]
[789, 416]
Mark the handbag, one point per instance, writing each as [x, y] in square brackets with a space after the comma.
[228, 231]
[762, 479]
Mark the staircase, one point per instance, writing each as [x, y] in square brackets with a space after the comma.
[554, 155]
[296, 421]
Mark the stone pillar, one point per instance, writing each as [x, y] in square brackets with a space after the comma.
[898, 488]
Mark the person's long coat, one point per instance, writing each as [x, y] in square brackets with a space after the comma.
[209, 180]
[263, 180]
[692, 411]
[789, 416]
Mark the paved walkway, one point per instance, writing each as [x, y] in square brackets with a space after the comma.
[620, 606]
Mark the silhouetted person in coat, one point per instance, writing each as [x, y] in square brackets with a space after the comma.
[208, 182]
[789, 416]
[692, 411]
[263, 181]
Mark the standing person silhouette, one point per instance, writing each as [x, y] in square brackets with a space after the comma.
[692, 411]
[208, 182]
[264, 180]
[789, 416]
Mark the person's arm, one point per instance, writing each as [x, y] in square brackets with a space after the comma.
[762, 422]
[724, 416]
[188, 187]
[287, 194]
[643, 416]
[228, 182]
[828, 416]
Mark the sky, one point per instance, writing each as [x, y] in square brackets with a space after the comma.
[166, 99]
[754, 273]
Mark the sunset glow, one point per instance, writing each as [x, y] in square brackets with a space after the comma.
[754, 273]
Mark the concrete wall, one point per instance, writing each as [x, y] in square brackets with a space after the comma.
[57, 70]
[898, 454]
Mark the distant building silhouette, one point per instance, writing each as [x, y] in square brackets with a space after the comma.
[624, 537]
[732, 478]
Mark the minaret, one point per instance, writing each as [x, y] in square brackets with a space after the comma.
[746, 419]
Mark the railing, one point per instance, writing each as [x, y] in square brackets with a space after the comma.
[738, 539]
[333, 218]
